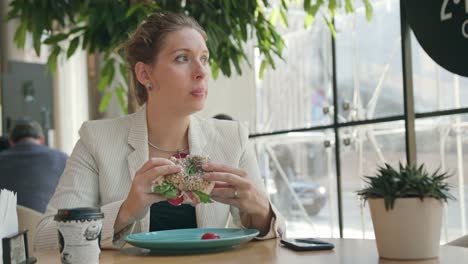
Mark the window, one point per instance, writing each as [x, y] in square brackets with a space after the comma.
[298, 138]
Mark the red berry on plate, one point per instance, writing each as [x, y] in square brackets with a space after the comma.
[210, 236]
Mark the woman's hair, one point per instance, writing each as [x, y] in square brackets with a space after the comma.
[148, 39]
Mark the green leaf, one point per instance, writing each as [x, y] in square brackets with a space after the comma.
[103, 83]
[107, 75]
[166, 189]
[20, 35]
[214, 70]
[124, 72]
[73, 45]
[225, 66]
[191, 169]
[311, 12]
[280, 45]
[332, 7]
[161, 188]
[330, 26]
[309, 20]
[133, 9]
[76, 29]
[262, 69]
[284, 4]
[37, 41]
[171, 194]
[121, 98]
[52, 60]
[284, 18]
[273, 16]
[349, 6]
[243, 32]
[204, 198]
[55, 38]
[235, 61]
[108, 68]
[270, 60]
[105, 102]
[369, 10]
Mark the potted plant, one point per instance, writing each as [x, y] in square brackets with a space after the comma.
[406, 209]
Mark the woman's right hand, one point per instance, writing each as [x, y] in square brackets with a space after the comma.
[140, 196]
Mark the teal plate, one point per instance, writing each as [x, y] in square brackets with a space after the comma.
[188, 241]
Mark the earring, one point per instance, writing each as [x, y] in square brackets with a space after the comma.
[149, 86]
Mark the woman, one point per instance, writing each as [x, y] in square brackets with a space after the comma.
[115, 161]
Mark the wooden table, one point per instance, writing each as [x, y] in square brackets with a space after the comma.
[352, 251]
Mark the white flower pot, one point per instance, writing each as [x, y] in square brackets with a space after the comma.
[411, 230]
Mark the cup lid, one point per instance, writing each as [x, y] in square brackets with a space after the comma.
[78, 213]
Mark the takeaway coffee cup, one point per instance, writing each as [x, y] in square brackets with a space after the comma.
[79, 231]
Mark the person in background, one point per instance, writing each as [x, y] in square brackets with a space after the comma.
[116, 161]
[4, 143]
[30, 168]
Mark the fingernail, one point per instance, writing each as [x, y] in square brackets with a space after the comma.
[205, 166]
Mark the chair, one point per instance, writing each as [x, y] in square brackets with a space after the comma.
[28, 219]
[460, 242]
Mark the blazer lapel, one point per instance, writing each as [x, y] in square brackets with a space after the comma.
[197, 136]
[138, 140]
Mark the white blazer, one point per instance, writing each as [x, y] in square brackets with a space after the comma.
[100, 171]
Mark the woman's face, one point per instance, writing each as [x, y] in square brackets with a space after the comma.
[180, 73]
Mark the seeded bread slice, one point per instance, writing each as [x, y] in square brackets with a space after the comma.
[189, 178]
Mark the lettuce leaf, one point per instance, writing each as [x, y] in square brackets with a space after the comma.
[172, 193]
[191, 170]
[204, 198]
[166, 189]
[169, 191]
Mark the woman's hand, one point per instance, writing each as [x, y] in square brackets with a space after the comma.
[140, 196]
[232, 187]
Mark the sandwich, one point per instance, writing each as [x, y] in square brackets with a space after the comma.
[186, 186]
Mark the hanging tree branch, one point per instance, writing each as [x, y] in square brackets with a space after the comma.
[102, 26]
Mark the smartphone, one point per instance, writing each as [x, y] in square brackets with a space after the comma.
[306, 244]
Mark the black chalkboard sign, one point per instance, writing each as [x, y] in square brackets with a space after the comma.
[441, 27]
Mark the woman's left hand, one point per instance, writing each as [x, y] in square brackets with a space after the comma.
[232, 187]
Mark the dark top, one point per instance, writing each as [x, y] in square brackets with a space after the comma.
[32, 171]
[165, 216]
